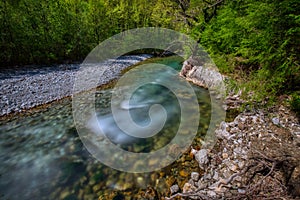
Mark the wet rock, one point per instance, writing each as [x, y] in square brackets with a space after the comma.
[123, 185]
[170, 181]
[96, 188]
[140, 181]
[150, 194]
[64, 193]
[80, 194]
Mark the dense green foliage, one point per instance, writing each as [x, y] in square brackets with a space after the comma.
[58, 30]
[261, 38]
[257, 39]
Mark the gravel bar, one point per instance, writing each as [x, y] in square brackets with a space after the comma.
[25, 87]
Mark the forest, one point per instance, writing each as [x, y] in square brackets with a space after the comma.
[257, 42]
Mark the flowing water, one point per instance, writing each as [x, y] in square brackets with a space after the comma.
[42, 156]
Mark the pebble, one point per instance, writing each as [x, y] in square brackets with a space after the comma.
[235, 130]
[140, 181]
[170, 180]
[183, 173]
[206, 177]
[202, 158]
[211, 194]
[232, 167]
[201, 185]
[188, 188]
[174, 189]
[241, 191]
[275, 121]
[64, 194]
[30, 86]
[241, 126]
[224, 155]
[192, 182]
[96, 188]
[241, 164]
[195, 176]
[238, 150]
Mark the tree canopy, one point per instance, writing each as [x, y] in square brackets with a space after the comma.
[260, 38]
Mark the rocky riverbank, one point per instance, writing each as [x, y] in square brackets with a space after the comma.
[27, 87]
[257, 156]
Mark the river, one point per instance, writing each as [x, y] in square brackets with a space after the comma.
[42, 156]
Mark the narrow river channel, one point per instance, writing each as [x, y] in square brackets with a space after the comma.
[42, 156]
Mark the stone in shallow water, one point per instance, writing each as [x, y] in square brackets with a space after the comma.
[183, 173]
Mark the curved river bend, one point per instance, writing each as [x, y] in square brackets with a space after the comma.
[42, 156]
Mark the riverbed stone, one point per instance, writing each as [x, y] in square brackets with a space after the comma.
[183, 173]
[202, 158]
[195, 176]
[211, 194]
[174, 189]
[188, 188]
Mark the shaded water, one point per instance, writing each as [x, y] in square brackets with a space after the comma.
[42, 156]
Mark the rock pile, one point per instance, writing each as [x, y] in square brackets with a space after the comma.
[256, 156]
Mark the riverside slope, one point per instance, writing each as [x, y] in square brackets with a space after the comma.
[256, 156]
[26, 87]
